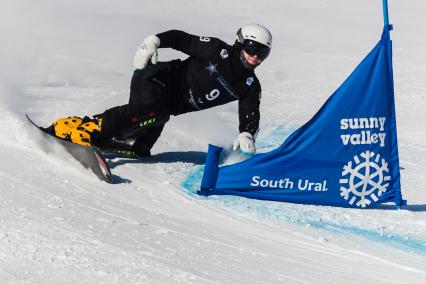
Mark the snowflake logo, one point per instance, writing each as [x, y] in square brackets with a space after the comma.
[366, 181]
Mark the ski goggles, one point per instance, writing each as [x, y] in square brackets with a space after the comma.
[254, 48]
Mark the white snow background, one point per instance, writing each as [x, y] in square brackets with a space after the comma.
[59, 224]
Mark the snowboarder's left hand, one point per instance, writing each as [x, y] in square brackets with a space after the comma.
[245, 141]
[146, 51]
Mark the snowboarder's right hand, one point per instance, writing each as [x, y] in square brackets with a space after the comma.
[146, 51]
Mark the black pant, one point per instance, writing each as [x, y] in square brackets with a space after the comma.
[148, 109]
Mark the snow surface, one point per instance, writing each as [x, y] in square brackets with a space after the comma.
[59, 224]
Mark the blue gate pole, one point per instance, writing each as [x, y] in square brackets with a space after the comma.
[385, 12]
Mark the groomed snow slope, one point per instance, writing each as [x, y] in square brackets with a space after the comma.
[59, 224]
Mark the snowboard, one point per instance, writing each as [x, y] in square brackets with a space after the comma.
[89, 156]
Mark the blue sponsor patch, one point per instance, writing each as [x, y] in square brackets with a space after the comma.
[224, 53]
[249, 81]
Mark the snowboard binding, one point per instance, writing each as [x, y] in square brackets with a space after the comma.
[81, 131]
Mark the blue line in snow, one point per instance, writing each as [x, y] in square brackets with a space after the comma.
[284, 212]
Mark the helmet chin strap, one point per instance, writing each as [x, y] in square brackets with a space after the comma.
[245, 62]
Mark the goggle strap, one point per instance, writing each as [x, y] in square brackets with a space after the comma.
[240, 36]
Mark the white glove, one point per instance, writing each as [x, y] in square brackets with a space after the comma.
[146, 51]
[245, 141]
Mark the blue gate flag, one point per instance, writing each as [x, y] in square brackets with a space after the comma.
[346, 155]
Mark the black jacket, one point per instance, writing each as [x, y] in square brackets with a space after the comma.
[212, 75]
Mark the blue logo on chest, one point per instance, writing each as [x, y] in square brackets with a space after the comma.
[212, 68]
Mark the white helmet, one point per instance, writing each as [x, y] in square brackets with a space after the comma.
[255, 39]
[256, 33]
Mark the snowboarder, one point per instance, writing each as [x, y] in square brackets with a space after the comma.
[215, 73]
